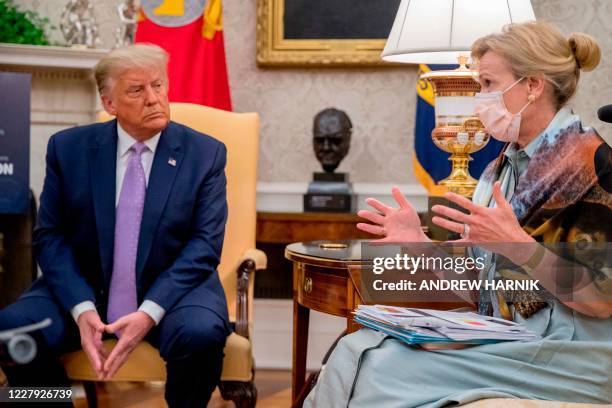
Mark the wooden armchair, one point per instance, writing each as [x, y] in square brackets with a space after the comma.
[239, 260]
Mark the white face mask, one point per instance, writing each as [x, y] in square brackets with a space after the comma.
[499, 122]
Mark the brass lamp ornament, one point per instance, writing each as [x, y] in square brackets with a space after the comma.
[457, 130]
[443, 34]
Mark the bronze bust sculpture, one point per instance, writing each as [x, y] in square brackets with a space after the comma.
[329, 191]
[331, 140]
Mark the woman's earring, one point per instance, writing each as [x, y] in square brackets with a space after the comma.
[531, 98]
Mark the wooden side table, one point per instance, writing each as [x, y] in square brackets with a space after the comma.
[321, 282]
[327, 278]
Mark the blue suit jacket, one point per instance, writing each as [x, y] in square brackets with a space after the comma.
[182, 226]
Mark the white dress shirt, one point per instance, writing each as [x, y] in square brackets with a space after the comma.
[124, 143]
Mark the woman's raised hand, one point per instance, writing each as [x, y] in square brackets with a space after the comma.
[395, 225]
[485, 225]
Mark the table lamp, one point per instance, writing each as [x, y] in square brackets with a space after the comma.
[442, 32]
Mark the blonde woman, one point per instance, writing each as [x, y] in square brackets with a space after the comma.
[552, 183]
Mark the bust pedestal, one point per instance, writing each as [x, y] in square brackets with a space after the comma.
[329, 192]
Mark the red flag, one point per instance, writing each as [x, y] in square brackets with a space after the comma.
[197, 70]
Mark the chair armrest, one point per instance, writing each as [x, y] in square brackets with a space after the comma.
[250, 261]
[258, 256]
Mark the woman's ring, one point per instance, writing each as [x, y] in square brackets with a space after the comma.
[466, 231]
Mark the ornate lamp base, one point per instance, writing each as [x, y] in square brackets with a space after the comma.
[460, 181]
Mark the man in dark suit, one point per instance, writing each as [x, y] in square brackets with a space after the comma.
[128, 239]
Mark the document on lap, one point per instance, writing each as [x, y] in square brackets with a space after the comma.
[425, 326]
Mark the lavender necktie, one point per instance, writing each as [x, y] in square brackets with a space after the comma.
[122, 294]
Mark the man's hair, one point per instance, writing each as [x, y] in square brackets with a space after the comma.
[129, 57]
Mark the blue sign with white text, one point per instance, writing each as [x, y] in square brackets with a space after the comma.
[14, 142]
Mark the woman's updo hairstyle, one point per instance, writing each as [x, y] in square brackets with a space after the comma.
[539, 49]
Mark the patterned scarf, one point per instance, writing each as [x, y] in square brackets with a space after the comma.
[564, 195]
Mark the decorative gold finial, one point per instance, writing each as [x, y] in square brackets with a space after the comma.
[463, 61]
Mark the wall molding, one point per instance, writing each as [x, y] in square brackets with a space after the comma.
[288, 196]
[273, 331]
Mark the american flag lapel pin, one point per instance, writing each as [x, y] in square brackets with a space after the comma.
[172, 162]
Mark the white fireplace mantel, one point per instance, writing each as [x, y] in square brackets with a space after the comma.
[63, 93]
[50, 57]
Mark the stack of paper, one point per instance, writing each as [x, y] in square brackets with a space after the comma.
[425, 326]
